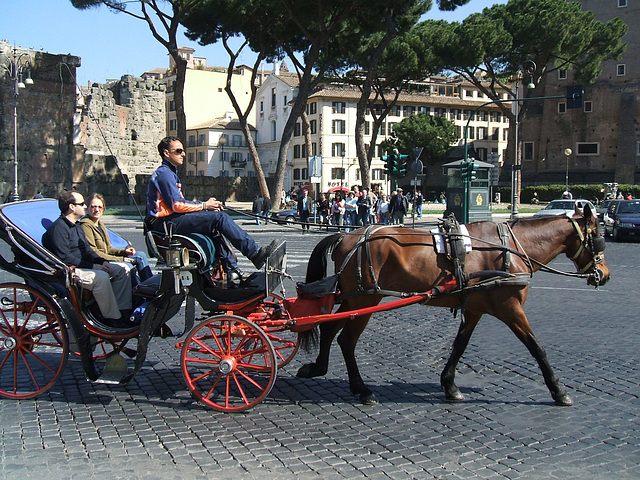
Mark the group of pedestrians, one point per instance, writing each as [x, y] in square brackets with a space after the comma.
[358, 208]
[261, 209]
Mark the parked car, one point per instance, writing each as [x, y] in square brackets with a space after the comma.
[565, 206]
[622, 218]
[288, 215]
[602, 208]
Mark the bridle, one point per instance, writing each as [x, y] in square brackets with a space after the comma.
[594, 245]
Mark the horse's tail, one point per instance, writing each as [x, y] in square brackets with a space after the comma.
[317, 266]
[317, 270]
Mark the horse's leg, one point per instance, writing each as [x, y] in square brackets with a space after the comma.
[447, 378]
[348, 340]
[520, 326]
[328, 331]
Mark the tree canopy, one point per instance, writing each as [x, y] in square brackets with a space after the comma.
[434, 134]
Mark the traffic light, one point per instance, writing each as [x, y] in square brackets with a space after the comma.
[469, 171]
[402, 165]
[389, 164]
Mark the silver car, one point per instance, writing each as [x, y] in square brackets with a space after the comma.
[566, 206]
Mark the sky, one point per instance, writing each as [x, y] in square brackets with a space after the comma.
[114, 44]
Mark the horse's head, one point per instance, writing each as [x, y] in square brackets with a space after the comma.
[588, 256]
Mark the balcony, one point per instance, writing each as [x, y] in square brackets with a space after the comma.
[238, 163]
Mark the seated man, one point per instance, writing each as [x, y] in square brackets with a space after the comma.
[66, 240]
[166, 205]
[99, 242]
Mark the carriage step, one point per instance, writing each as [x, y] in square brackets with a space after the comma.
[114, 370]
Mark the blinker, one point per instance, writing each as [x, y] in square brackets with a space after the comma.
[598, 244]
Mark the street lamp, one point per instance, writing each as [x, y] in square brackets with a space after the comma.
[222, 141]
[528, 67]
[567, 154]
[19, 66]
[342, 168]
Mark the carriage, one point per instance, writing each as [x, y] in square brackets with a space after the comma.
[230, 356]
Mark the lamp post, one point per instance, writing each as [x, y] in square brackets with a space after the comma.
[528, 67]
[342, 169]
[19, 64]
[567, 154]
[222, 141]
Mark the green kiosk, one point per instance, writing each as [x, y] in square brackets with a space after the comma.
[479, 191]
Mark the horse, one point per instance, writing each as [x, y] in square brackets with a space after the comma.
[376, 262]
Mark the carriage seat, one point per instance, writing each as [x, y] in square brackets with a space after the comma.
[202, 250]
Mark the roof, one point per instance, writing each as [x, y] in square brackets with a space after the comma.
[221, 123]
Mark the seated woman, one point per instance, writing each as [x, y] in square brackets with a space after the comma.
[99, 241]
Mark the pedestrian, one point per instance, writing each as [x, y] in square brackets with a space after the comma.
[323, 210]
[305, 207]
[351, 212]
[256, 208]
[99, 241]
[364, 205]
[382, 210]
[110, 285]
[266, 209]
[398, 208]
[418, 201]
[168, 210]
[337, 210]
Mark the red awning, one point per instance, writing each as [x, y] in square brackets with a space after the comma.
[337, 189]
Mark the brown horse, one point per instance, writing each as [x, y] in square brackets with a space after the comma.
[390, 260]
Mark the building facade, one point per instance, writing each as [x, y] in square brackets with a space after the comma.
[331, 112]
[602, 134]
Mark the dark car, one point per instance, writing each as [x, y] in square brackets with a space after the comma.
[622, 218]
[288, 215]
[603, 206]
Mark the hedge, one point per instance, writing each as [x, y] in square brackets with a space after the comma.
[546, 193]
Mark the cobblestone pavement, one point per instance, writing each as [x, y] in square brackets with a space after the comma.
[508, 426]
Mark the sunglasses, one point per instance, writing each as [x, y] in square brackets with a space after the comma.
[179, 151]
[78, 204]
[99, 207]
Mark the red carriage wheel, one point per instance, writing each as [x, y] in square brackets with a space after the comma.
[285, 343]
[228, 363]
[34, 344]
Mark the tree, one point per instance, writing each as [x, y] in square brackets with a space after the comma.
[158, 19]
[490, 48]
[434, 134]
[388, 60]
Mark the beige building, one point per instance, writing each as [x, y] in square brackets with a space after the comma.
[602, 134]
[331, 111]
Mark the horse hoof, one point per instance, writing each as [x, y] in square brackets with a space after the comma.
[369, 399]
[309, 370]
[563, 400]
[454, 396]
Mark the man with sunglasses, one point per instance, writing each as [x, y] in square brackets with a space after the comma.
[168, 209]
[109, 283]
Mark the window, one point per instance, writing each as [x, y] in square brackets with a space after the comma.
[337, 174]
[313, 126]
[273, 97]
[312, 108]
[314, 148]
[622, 3]
[261, 106]
[482, 133]
[562, 74]
[201, 157]
[190, 157]
[339, 107]
[589, 149]
[527, 151]
[236, 140]
[296, 174]
[367, 127]
[338, 126]
[296, 151]
[304, 150]
[562, 107]
[191, 141]
[622, 70]
[285, 101]
[202, 139]
[273, 131]
[296, 129]
[173, 125]
[172, 105]
[468, 93]
[587, 106]
[338, 149]
[377, 174]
